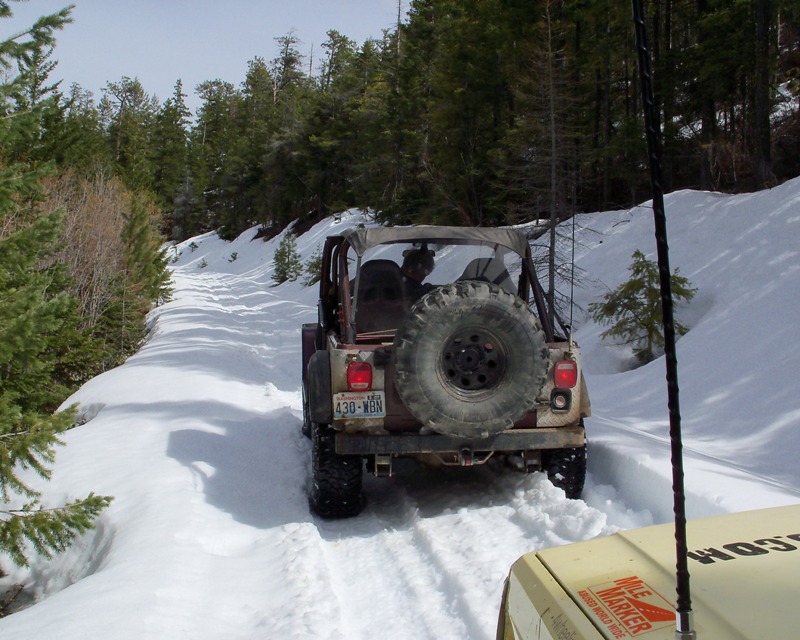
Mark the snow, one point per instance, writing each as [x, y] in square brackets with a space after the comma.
[198, 439]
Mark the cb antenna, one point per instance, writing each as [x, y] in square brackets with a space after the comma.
[684, 629]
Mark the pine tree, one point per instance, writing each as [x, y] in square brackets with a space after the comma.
[144, 278]
[325, 151]
[286, 170]
[33, 308]
[537, 164]
[130, 114]
[252, 126]
[370, 145]
[313, 268]
[211, 141]
[633, 309]
[73, 136]
[287, 262]
[171, 153]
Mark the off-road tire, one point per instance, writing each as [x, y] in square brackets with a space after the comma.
[470, 359]
[566, 469]
[306, 428]
[335, 479]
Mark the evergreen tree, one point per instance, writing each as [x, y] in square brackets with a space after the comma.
[73, 136]
[287, 188]
[253, 125]
[287, 74]
[36, 99]
[538, 163]
[371, 140]
[633, 309]
[33, 308]
[145, 260]
[325, 151]
[211, 141]
[171, 153]
[313, 268]
[287, 263]
[448, 100]
[144, 278]
[129, 114]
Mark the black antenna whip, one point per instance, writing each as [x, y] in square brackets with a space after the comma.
[684, 624]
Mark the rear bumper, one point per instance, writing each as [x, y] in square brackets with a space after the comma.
[509, 440]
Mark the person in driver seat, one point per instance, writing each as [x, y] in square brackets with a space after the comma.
[418, 264]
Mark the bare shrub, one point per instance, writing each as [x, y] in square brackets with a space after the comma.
[94, 215]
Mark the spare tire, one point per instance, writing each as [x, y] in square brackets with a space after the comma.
[470, 359]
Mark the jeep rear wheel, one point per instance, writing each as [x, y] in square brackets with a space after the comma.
[306, 428]
[470, 359]
[566, 469]
[335, 479]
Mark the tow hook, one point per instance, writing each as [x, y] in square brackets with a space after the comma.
[465, 457]
[383, 466]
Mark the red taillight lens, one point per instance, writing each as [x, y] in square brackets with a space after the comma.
[565, 374]
[359, 376]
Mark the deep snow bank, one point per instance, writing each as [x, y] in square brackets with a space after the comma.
[737, 365]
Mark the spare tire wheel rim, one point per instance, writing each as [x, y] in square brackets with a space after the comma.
[472, 363]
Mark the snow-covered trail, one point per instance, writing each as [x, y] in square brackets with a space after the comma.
[432, 548]
[198, 437]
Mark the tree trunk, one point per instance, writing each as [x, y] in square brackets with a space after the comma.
[762, 172]
[708, 117]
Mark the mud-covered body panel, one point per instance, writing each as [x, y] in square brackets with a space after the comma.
[399, 419]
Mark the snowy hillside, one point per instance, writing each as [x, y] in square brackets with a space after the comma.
[198, 438]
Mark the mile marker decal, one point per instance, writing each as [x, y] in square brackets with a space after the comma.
[628, 607]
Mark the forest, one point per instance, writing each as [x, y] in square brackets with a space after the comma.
[469, 112]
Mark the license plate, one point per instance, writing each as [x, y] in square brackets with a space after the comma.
[355, 404]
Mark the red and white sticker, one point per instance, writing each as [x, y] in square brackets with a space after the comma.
[628, 607]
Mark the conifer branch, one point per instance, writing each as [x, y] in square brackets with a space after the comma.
[47, 531]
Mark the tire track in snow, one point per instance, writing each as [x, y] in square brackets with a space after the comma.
[456, 544]
[309, 609]
[419, 562]
[473, 547]
[469, 548]
[440, 560]
[385, 586]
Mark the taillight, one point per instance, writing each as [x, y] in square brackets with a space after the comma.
[359, 376]
[565, 374]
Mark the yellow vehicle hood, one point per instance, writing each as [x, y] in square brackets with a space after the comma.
[745, 583]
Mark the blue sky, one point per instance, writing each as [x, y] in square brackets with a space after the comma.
[159, 41]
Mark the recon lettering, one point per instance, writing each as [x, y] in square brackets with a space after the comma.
[735, 550]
